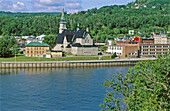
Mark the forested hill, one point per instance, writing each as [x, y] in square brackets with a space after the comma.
[108, 21]
[163, 3]
[19, 14]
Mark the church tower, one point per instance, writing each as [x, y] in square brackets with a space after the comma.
[62, 23]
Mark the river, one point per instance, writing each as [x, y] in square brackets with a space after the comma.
[54, 89]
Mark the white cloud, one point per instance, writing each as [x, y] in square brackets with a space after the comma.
[18, 6]
[41, 5]
[52, 2]
[10, 6]
[57, 5]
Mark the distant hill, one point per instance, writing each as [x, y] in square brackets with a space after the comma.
[108, 21]
[20, 14]
[150, 3]
[153, 2]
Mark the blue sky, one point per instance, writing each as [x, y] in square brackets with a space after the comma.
[70, 6]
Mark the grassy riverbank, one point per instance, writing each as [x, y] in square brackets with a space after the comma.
[75, 58]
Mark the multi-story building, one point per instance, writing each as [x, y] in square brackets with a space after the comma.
[115, 48]
[36, 49]
[128, 50]
[161, 39]
[151, 50]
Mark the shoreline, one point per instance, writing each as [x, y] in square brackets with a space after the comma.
[82, 63]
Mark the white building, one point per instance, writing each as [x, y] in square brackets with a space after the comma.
[161, 39]
[40, 38]
[115, 48]
[131, 32]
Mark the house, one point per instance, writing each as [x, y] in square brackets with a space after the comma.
[77, 42]
[40, 38]
[131, 32]
[21, 44]
[161, 39]
[153, 6]
[143, 40]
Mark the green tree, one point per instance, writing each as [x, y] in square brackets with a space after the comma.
[114, 55]
[8, 47]
[51, 40]
[144, 87]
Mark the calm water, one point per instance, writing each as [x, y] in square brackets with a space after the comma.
[54, 89]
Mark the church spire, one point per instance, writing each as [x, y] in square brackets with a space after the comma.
[62, 23]
[63, 19]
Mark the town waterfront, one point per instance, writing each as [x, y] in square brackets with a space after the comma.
[53, 89]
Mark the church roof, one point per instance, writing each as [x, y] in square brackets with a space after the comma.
[79, 45]
[71, 35]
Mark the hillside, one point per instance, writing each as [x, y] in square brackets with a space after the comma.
[107, 21]
[153, 2]
[19, 14]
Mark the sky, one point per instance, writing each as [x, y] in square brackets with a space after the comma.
[71, 6]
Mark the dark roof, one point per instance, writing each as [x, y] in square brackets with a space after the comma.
[147, 38]
[79, 45]
[71, 35]
[37, 44]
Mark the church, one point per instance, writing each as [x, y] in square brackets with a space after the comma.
[76, 42]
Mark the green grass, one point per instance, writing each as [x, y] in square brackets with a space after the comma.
[75, 58]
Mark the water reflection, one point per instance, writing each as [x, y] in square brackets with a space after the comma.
[12, 71]
[8, 71]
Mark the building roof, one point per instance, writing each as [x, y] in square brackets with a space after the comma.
[71, 35]
[37, 44]
[79, 45]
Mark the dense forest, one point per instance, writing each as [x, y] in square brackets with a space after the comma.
[107, 21]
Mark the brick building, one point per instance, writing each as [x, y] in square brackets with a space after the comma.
[128, 50]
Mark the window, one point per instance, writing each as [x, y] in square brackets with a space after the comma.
[165, 49]
[152, 46]
[145, 53]
[152, 53]
[159, 46]
[152, 49]
[27, 51]
[165, 46]
[158, 49]
[145, 46]
[145, 49]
